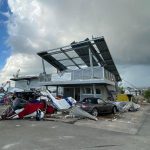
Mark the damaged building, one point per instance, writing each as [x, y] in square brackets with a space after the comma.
[84, 69]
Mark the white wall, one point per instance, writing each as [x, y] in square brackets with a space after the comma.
[104, 92]
[26, 85]
[103, 95]
[22, 84]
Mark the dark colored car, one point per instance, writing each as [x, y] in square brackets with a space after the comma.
[96, 106]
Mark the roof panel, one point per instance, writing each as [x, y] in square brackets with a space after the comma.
[82, 49]
[52, 61]
[67, 62]
[95, 53]
[103, 49]
[72, 54]
[59, 56]
[78, 60]
[76, 55]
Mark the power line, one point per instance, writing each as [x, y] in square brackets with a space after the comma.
[130, 83]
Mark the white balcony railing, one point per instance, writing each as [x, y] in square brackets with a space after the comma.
[80, 74]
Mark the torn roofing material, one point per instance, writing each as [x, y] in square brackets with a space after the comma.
[76, 56]
[103, 49]
[46, 56]
[82, 50]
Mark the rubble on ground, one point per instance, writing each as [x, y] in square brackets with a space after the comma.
[43, 105]
[40, 104]
[127, 106]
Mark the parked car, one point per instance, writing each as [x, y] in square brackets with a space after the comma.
[96, 106]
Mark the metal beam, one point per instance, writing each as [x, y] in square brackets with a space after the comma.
[95, 53]
[70, 58]
[52, 61]
[83, 51]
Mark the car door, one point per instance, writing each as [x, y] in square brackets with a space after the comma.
[101, 106]
[92, 103]
[107, 107]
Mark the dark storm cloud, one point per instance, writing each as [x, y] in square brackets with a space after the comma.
[48, 24]
[125, 25]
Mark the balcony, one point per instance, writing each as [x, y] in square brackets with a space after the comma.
[81, 76]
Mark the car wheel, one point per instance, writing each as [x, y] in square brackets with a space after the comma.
[114, 110]
[95, 112]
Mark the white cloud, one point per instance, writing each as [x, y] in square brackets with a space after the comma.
[18, 61]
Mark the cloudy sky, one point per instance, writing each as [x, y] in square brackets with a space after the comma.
[30, 26]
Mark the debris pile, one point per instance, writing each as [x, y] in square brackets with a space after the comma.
[42, 104]
[127, 106]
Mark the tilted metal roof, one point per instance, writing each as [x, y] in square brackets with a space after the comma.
[76, 56]
[103, 49]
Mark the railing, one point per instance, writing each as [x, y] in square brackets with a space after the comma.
[108, 75]
[80, 74]
[87, 73]
[45, 78]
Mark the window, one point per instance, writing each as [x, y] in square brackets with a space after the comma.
[98, 91]
[92, 100]
[88, 90]
[100, 101]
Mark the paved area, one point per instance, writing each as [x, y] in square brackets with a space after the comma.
[128, 122]
[47, 135]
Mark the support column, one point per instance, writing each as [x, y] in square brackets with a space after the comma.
[91, 64]
[56, 90]
[94, 90]
[74, 92]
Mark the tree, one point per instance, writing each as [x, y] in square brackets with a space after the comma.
[147, 95]
[121, 89]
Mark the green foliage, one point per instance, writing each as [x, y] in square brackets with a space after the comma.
[121, 90]
[147, 95]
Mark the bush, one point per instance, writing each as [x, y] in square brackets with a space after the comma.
[147, 95]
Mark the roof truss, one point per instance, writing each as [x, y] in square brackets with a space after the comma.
[76, 56]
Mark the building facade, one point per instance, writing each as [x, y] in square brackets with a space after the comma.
[85, 69]
[26, 82]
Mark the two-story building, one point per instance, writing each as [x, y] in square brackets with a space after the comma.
[84, 69]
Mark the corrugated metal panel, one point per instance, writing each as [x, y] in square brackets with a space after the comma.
[76, 56]
[104, 51]
[52, 61]
[83, 53]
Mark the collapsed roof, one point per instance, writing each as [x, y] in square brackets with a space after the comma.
[77, 55]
